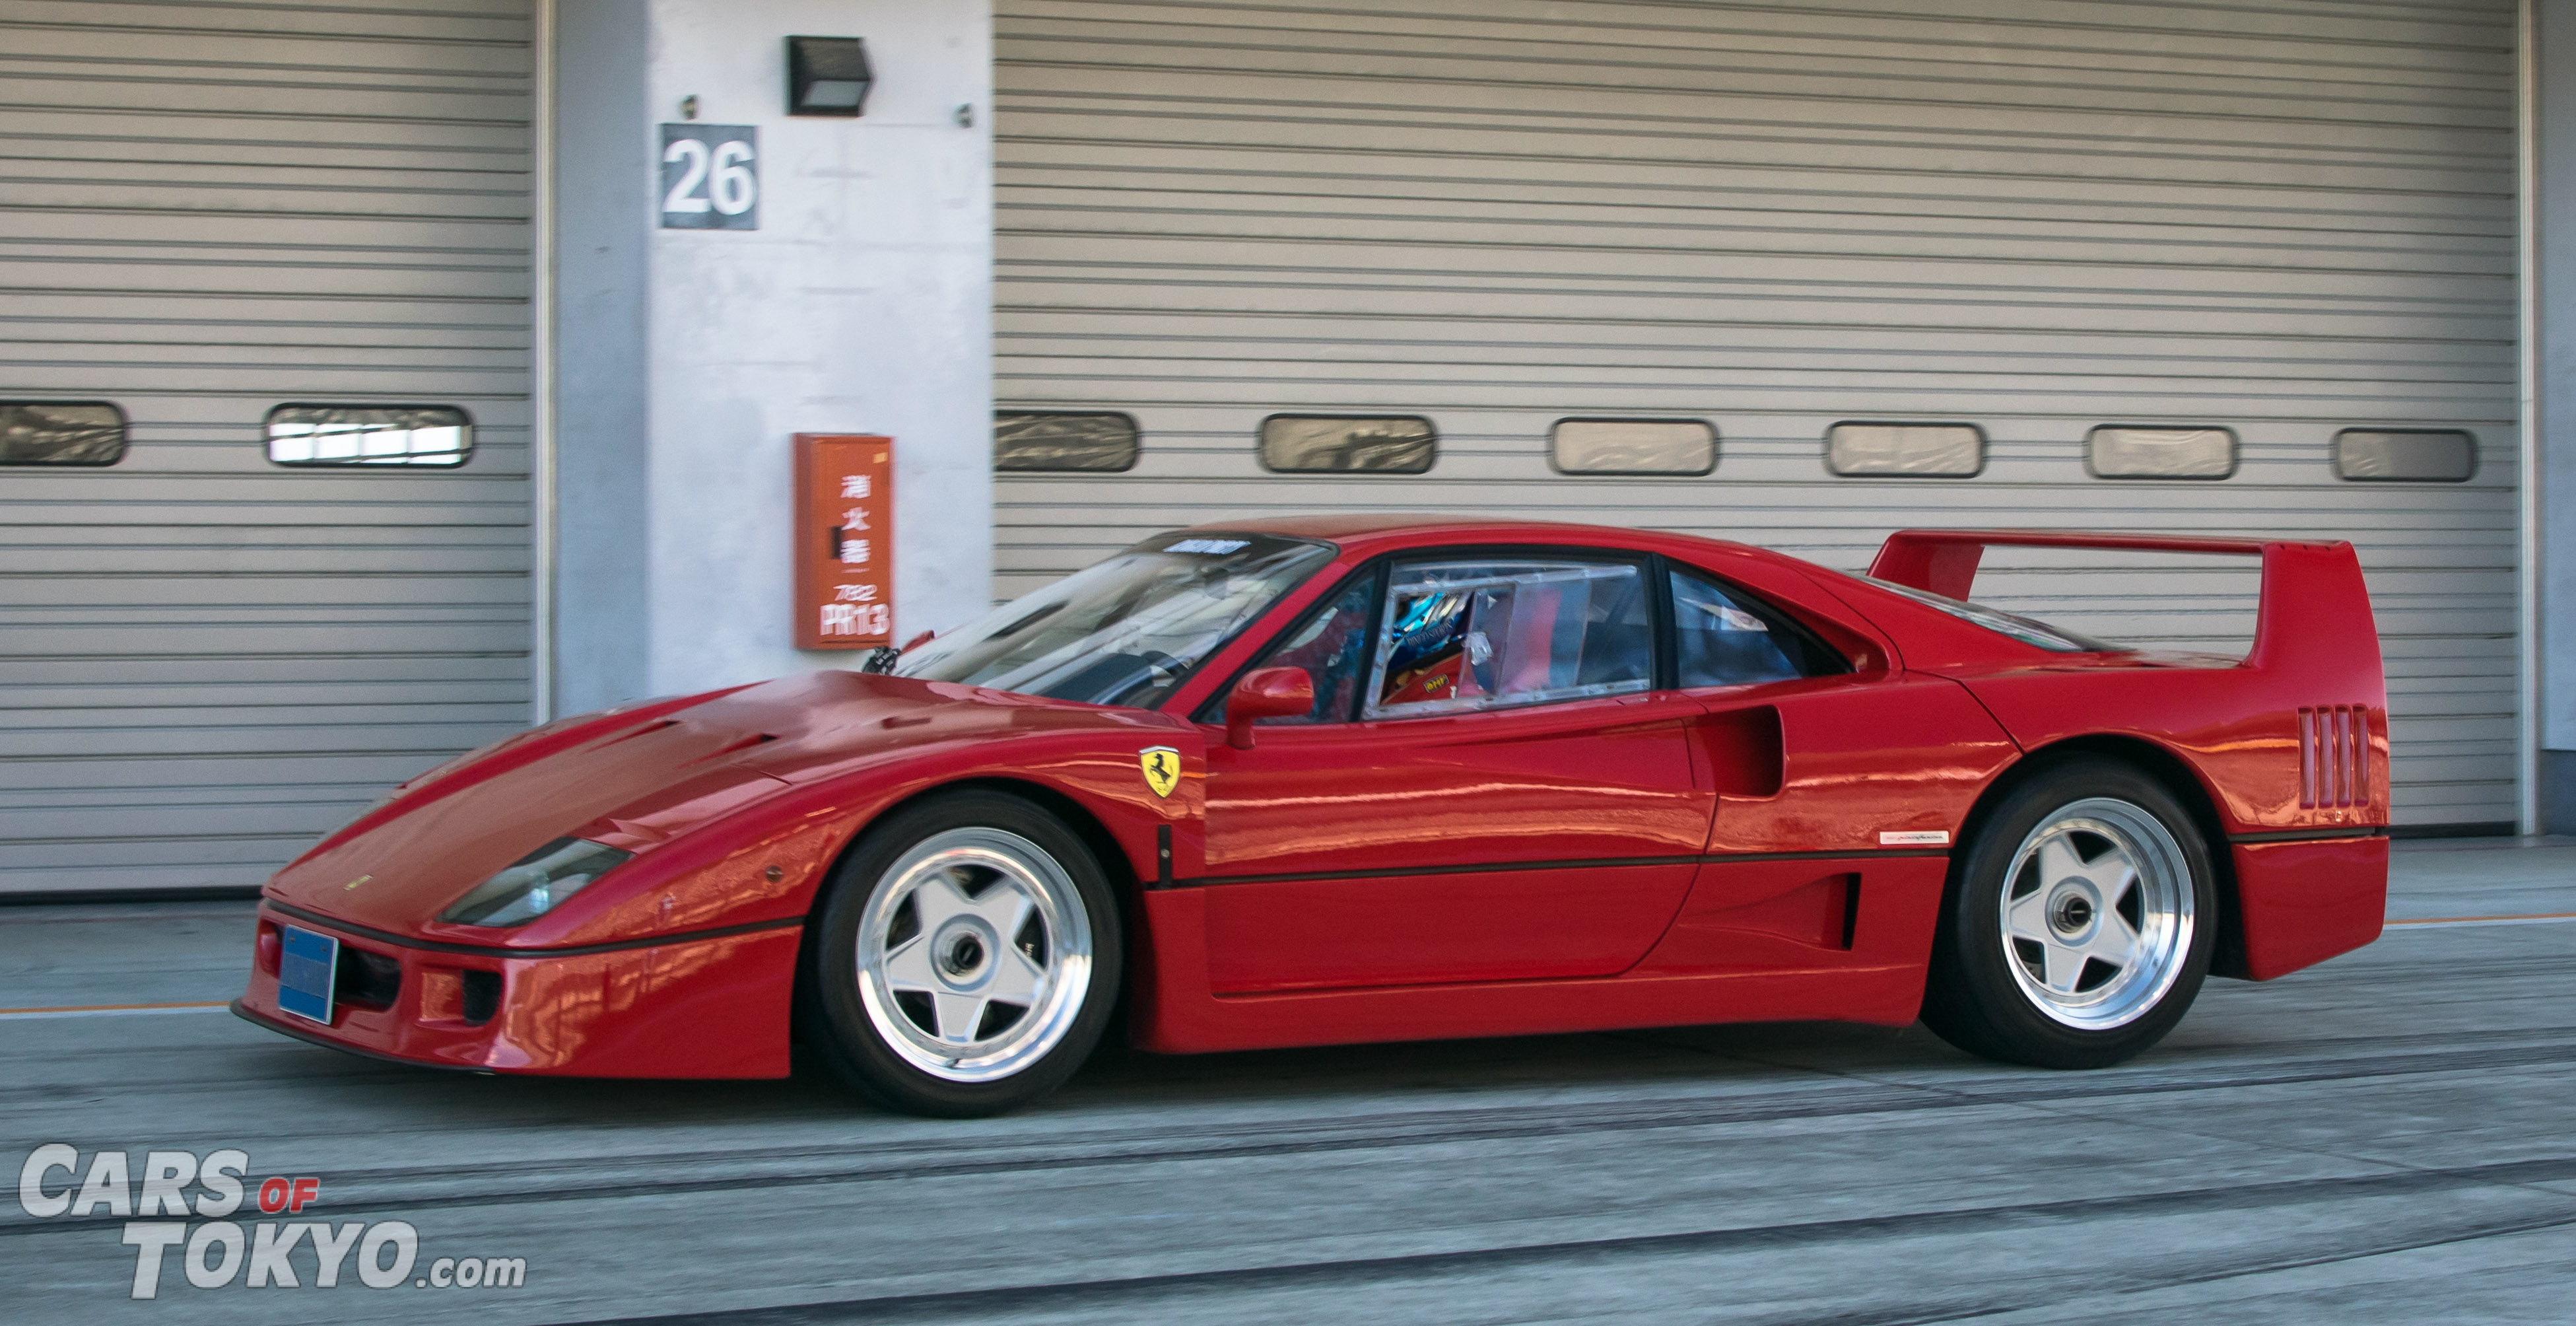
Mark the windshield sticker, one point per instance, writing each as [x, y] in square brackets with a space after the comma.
[1211, 547]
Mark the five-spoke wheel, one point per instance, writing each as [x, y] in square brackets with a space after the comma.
[975, 953]
[966, 958]
[2078, 926]
[2098, 912]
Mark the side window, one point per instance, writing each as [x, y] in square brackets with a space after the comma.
[1332, 646]
[1729, 639]
[1488, 633]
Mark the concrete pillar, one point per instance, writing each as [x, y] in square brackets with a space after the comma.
[686, 359]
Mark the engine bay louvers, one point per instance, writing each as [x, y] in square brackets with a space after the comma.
[2334, 757]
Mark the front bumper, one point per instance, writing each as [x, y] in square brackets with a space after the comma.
[710, 1004]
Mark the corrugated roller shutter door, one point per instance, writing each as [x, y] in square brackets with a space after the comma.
[212, 210]
[2283, 219]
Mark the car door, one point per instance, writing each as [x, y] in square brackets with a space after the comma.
[1489, 786]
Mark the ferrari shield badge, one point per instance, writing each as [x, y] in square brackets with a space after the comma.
[1162, 766]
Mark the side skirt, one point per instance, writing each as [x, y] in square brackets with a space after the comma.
[1879, 981]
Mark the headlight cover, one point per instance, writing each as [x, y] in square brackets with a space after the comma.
[535, 884]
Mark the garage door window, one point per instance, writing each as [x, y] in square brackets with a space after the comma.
[2160, 453]
[2405, 455]
[1332, 444]
[1487, 634]
[61, 433]
[1912, 451]
[1094, 441]
[1632, 446]
[438, 435]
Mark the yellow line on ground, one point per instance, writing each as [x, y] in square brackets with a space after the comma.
[2488, 920]
[109, 1008]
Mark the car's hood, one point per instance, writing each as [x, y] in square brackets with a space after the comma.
[641, 779]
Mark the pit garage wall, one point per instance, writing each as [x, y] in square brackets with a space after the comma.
[687, 359]
[2284, 218]
[208, 661]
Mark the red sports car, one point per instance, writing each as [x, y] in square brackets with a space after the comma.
[1295, 782]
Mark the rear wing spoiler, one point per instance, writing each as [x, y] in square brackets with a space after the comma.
[2315, 618]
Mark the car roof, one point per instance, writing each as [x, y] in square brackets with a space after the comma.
[1410, 526]
[1383, 531]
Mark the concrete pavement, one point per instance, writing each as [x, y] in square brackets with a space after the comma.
[2383, 1138]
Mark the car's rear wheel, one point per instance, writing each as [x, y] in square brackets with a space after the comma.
[966, 959]
[2080, 925]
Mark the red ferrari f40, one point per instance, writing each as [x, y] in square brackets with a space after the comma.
[1307, 781]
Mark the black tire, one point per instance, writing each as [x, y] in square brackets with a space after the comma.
[2026, 1000]
[889, 1042]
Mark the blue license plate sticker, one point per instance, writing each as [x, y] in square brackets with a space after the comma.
[307, 963]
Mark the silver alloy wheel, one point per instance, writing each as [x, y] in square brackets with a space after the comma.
[2097, 913]
[974, 954]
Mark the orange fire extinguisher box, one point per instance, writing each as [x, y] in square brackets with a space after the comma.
[844, 541]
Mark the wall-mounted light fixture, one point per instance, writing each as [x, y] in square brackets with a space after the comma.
[827, 75]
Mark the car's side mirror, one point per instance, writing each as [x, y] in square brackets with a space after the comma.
[1266, 693]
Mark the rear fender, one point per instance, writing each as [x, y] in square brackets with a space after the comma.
[2295, 737]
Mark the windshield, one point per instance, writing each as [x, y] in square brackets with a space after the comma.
[2029, 632]
[1127, 630]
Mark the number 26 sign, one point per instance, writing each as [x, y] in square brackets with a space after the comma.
[710, 177]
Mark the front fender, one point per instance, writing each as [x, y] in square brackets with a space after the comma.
[768, 860]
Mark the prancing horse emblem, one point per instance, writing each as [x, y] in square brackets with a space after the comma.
[1162, 766]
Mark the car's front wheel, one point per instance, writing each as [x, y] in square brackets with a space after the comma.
[966, 959]
[2081, 923]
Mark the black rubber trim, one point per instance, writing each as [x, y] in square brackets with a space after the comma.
[2310, 835]
[93, 897]
[503, 951]
[2457, 829]
[285, 1028]
[1597, 863]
